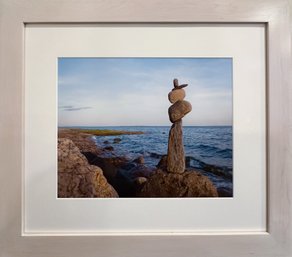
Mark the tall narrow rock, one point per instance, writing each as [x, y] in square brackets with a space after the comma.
[179, 108]
[175, 151]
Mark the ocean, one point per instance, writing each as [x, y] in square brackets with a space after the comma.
[208, 149]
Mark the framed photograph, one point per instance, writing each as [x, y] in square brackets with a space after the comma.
[132, 144]
[123, 139]
[124, 129]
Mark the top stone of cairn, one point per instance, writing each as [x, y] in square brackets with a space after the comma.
[177, 86]
[177, 93]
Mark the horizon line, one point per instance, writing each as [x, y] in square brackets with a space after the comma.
[142, 126]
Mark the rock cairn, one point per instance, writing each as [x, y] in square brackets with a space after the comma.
[171, 179]
[178, 109]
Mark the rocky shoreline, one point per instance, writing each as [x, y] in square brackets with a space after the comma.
[84, 170]
[76, 177]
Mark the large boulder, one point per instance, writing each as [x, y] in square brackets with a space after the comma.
[178, 110]
[187, 184]
[76, 177]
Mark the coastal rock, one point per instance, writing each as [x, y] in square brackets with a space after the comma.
[130, 177]
[83, 141]
[138, 185]
[178, 110]
[175, 162]
[187, 184]
[162, 164]
[140, 180]
[140, 171]
[109, 165]
[139, 160]
[117, 140]
[109, 148]
[76, 177]
[176, 95]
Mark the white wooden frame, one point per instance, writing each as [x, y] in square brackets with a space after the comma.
[274, 13]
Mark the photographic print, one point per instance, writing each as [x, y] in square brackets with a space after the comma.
[145, 127]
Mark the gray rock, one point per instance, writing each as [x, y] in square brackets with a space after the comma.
[178, 110]
[175, 153]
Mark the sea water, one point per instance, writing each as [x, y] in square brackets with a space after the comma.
[204, 146]
[211, 145]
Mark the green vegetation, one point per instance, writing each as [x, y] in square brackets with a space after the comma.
[108, 132]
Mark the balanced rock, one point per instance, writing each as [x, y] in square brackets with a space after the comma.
[176, 95]
[76, 177]
[178, 110]
[187, 184]
[175, 83]
[180, 86]
[175, 162]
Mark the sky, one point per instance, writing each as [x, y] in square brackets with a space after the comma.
[134, 91]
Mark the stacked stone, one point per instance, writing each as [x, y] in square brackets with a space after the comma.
[178, 109]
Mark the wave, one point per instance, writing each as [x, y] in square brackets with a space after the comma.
[221, 171]
[192, 162]
[225, 153]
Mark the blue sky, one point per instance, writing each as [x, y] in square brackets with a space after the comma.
[133, 91]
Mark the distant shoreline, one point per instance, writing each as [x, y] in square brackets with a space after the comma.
[102, 132]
